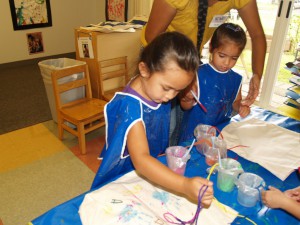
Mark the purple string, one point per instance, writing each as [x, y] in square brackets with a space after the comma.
[195, 218]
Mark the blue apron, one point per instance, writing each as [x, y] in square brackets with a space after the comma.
[121, 113]
[217, 93]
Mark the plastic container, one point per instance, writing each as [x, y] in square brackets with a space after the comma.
[228, 174]
[177, 159]
[249, 186]
[204, 133]
[46, 68]
[217, 148]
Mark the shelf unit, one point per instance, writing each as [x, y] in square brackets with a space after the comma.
[293, 92]
[108, 46]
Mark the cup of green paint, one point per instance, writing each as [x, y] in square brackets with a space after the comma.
[228, 173]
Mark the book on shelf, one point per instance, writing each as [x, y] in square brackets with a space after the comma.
[293, 70]
[295, 88]
[295, 79]
[291, 102]
[293, 95]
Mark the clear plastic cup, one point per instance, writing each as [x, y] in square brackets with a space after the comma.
[211, 155]
[204, 133]
[220, 143]
[249, 186]
[228, 173]
[177, 158]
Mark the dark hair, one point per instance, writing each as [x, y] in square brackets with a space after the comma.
[228, 32]
[170, 46]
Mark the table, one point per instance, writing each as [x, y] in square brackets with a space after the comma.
[67, 213]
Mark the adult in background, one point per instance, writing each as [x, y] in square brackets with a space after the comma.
[198, 19]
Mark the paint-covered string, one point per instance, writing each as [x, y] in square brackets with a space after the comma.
[169, 217]
[199, 207]
[220, 133]
[199, 103]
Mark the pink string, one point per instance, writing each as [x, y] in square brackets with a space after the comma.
[217, 130]
[195, 218]
[242, 146]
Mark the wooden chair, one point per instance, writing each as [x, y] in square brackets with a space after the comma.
[113, 75]
[86, 113]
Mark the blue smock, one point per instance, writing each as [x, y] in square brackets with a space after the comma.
[217, 90]
[121, 113]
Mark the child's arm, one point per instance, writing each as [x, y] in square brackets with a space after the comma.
[293, 193]
[274, 198]
[243, 110]
[160, 174]
[187, 100]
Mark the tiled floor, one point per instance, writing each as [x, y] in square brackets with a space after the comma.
[94, 147]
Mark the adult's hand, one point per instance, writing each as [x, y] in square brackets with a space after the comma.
[250, 16]
[253, 91]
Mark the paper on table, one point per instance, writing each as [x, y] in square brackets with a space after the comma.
[273, 147]
[133, 200]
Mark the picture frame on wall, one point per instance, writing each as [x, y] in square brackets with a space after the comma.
[28, 14]
[116, 10]
[35, 43]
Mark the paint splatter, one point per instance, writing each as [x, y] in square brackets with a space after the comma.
[161, 196]
[128, 213]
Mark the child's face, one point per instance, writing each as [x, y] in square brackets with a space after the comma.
[225, 57]
[163, 86]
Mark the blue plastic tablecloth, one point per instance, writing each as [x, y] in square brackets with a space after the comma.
[67, 213]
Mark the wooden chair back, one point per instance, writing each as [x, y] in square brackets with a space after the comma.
[113, 76]
[82, 114]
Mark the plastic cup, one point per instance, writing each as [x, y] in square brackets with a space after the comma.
[204, 133]
[221, 144]
[249, 186]
[211, 155]
[176, 158]
[228, 173]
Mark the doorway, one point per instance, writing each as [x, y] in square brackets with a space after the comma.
[281, 23]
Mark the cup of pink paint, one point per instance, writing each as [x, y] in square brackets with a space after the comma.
[177, 158]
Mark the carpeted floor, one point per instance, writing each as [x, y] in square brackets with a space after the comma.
[31, 184]
[23, 98]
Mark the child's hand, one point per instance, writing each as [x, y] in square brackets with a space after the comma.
[186, 98]
[273, 198]
[244, 110]
[293, 194]
[186, 94]
[192, 187]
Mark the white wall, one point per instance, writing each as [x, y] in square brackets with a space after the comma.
[58, 39]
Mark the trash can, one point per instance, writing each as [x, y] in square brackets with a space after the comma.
[46, 68]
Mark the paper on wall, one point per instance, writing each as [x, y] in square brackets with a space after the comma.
[85, 47]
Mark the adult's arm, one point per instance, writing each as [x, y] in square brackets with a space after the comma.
[250, 16]
[160, 17]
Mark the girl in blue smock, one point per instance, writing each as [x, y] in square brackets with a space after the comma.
[137, 119]
[218, 87]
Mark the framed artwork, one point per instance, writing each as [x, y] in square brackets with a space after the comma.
[116, 10]
[35, 43]
[29, 14]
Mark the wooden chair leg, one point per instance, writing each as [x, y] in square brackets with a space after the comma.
[81, 138]
[60, 128]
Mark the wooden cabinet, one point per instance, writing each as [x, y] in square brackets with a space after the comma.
[107, 46]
